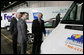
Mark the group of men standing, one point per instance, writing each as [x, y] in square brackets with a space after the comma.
[18, 28]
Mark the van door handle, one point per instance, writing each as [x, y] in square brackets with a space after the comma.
[80, 28]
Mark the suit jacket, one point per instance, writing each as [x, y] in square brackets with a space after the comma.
[13, 26]
[37, 28]
[22, 31]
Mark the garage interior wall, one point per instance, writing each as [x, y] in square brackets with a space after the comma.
[36, 4]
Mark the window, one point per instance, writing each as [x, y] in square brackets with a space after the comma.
[74, 15]
[50, 23]
[79, 6]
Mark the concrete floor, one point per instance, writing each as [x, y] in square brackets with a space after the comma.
[6, 44]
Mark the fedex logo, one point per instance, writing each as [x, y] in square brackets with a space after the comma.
[8, 16]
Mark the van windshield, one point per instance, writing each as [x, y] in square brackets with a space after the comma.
[74, 15]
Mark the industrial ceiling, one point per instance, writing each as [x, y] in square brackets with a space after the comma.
[8, 4]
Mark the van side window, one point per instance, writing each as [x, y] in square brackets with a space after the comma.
[75, 13]
[72, 14]
[79, 8]
[75, 16]
[81, 15]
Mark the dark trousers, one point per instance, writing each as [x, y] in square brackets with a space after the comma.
[14, 38]
[37, 43]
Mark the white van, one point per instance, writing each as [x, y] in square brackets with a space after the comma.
[6, 18]
[67, 37]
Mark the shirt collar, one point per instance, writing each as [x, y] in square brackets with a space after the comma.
[39, 19]
[17, 19]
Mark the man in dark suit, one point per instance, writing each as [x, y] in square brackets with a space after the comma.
[22, 33]
[13, 30]
[37, 29]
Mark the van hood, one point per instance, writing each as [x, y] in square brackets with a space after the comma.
[55, 42]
